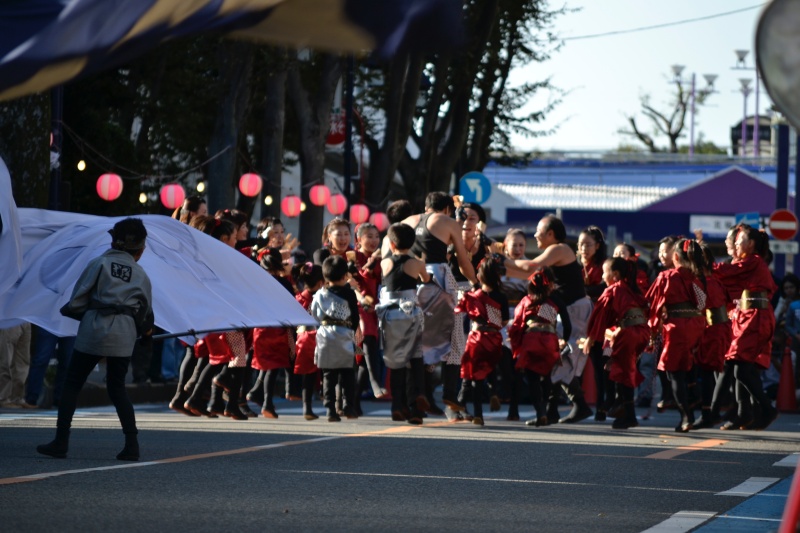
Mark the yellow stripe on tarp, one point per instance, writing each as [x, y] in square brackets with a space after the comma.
[50, 76]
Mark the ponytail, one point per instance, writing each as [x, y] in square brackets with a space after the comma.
[540, 285]
[627, 272]
[691, 255]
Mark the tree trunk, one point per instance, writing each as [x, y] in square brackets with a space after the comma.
[24, 140]
[313, 115]
[272, 140]
[235, 67]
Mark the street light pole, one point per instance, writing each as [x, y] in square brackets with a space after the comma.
[710, 78]
[746, 90]
[741, 55]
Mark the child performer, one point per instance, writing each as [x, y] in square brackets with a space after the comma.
[336, 308]
[753, 321]
[272, 347]
[680, 294]
[368, 278]
[715, 343]
[401, 324]
[487, 309]
[534, 341]
[310, 276]
[623, 307]
[113, 301]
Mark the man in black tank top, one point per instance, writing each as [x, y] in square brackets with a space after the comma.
[556, 254]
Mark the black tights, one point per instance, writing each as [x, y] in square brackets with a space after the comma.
[747, 375]
[270, 380]
[80, 366]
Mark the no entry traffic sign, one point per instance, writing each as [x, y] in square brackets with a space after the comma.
[783, 224]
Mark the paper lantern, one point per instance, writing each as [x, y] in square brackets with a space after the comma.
[380, 220]
[109, 187]
[359, 213]
[172, 195]
[337, 204]
[250, 184]
[319, 194]
[290, 206]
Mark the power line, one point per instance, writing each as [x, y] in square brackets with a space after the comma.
[664, 25]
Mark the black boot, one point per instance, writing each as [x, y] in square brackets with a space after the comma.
[626, 418]
[58, 447]
[450, 375]
[397, 384]
[309, 380]
[580, 409]
[236, 376]
[430, 387]
[477, 402]
[256, 394]
[131, 450]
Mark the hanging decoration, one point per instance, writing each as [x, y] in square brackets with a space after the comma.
[172, 195]
[109, 187]
[337, 204]
[319, 195]
[380, 220]
[290, 206]
[250, 184]
[359, 213]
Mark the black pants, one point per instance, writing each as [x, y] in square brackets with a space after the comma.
[80, 367]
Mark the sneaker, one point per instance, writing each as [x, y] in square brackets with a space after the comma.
[477, 421]
[25, 405]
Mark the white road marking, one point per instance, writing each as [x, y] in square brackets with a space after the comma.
[495, 480]
[789, 460]
[753, 485]
[681, 522]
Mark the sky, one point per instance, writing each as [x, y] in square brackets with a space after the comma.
[606, 76]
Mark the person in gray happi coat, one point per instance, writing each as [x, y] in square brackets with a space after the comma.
[336, 308]
[112, 299]
[401, 325]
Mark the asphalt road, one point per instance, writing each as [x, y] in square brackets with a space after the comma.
[373, 474]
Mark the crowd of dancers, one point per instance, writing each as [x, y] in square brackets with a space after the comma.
[442, 304]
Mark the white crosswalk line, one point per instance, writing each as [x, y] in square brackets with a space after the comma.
[681, 522]
[754, 485]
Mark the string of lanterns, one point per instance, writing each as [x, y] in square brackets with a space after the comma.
[172, 195]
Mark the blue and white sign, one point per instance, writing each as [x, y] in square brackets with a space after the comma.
[475, 187]
[751, 219]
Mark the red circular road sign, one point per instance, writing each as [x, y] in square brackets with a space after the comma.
[783, 224]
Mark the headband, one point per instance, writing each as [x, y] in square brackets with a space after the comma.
[686, 245]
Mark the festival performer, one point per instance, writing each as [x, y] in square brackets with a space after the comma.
[273, 348]
[715, 342]
[487, 309]
[623, 308]
[677, 304]
[200, 385]
[112, 299]
[665, 249]
[310, 276]
[515, 289]
[401, 325]
[551, 236]
[368, 276]
[473, 224]
[749, 281]
[435, 230]
[534, 340]
[592, 253]
[335, 306]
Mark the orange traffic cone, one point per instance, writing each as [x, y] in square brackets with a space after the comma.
[786, 401]
[588, 384]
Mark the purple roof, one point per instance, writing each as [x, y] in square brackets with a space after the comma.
[728, 192]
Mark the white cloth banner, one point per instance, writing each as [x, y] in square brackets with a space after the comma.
[198, 282]
[10, 247]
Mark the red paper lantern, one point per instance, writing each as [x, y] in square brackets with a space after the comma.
[172, 195]
[359, 213]
[250, 184]
[109, 187]
[337, 204]
[290, 206]
[319, 194]
[380, 220]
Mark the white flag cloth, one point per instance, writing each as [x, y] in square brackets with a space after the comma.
[10, 246]
[198, 282]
